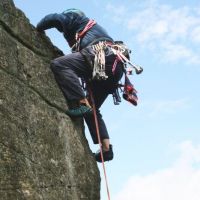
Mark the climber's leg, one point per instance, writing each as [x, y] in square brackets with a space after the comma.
[67, 70]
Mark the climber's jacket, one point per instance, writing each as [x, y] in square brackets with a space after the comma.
[71, 23]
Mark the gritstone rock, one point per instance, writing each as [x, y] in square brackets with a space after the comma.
[43, 153]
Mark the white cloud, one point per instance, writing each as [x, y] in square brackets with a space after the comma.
[169, 107]
[180, 181]
[156, 109]
[173, 32]
[176, 51]
[190, 154]
[195, 34]
[118, 14]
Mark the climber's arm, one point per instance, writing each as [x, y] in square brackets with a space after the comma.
[50, 21]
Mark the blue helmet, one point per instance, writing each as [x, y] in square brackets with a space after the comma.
[74, 10]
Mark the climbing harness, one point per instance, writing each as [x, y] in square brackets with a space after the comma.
[98, 136]
[100, 50]
[122, 54]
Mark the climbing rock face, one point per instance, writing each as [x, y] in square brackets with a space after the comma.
[43, 153]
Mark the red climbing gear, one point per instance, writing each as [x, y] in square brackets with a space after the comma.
[130, 92]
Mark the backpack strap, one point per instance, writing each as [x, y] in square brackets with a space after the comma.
[88, 26]
[80, 34]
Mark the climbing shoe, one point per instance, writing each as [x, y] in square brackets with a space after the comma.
[80, 111]
[107, 155]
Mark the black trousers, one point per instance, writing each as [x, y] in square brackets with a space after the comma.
[67, 71]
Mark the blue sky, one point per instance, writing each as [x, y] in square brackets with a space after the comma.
[157, 143]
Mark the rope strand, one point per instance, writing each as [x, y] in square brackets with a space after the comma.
[99, 140]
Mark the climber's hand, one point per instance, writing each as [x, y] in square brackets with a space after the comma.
[40, 31]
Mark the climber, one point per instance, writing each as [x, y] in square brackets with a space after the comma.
[85, 37]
